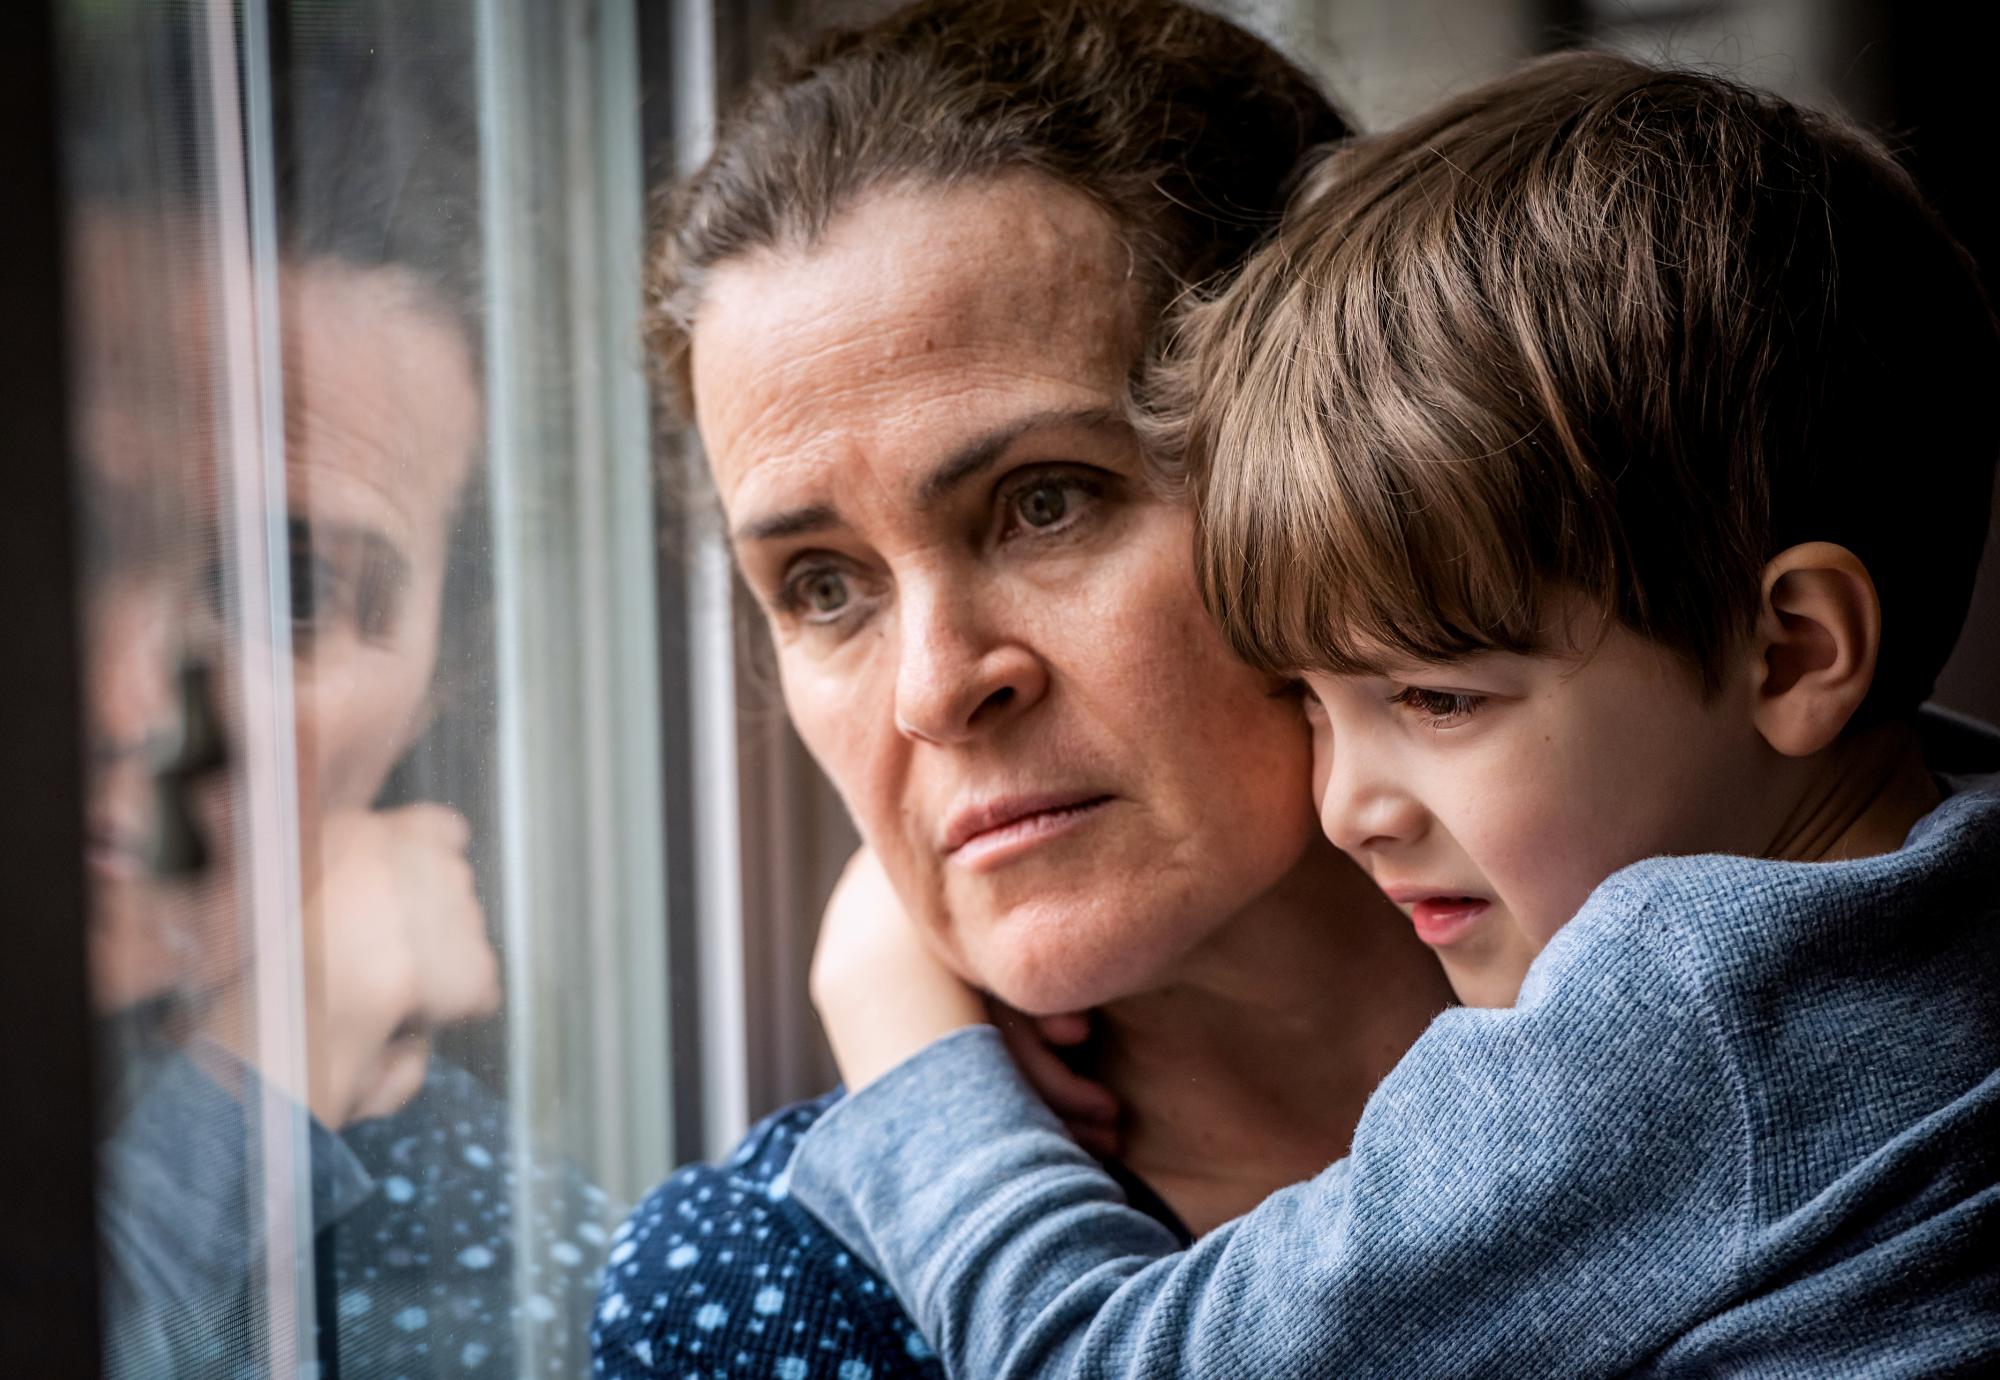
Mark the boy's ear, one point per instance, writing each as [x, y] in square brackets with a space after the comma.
[1819, 630]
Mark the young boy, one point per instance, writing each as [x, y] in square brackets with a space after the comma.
[1610, 454]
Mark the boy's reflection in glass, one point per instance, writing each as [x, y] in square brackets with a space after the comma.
[411, 1172]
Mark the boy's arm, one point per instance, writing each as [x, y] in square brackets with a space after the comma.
[1525, 1195]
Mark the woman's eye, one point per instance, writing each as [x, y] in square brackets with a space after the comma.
[1438, 708]
[1046, 503]
[1042, 506]
[315, 588]
[310, 583]
[819, 594]
[826, 592]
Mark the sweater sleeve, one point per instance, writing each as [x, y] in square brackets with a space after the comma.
[178, 1218]
[1554, 1189]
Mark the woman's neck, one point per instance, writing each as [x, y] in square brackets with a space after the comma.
[1247, 1070]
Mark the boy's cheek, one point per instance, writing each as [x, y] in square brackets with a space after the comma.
[1542, 875]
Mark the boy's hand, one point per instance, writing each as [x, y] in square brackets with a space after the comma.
[882, 994]
[1088, 1109]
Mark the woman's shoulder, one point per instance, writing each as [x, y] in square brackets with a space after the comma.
[720, 1270]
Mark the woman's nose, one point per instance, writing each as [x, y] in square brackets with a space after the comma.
[1363, 809]
[958, 677]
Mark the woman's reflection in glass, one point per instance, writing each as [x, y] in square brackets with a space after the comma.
[411, 1166]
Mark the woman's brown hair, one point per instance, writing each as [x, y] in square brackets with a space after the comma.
[1181, 125]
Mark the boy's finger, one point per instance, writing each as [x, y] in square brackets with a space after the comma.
[1098, 1140]
[1069, 1094]
[1066, 1028]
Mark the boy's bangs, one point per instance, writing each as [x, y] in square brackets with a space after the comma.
[1320, 546]
[1347, 569]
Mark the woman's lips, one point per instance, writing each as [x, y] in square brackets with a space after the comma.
[987, 835]
[1439, 917]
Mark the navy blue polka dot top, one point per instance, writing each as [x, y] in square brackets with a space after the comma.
[721, 1275]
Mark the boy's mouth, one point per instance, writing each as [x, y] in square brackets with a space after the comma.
[1439, 917]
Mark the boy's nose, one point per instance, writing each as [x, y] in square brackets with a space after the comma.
[1362, 810]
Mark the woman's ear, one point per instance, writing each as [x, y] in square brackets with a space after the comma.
[1819, 630]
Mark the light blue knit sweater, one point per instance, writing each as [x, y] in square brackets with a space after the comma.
[1744, 1119]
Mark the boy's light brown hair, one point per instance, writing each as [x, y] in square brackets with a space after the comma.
[1595, 328]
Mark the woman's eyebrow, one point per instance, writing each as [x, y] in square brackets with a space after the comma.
[792, 522]
[976, 455]
[955, 469]
[376, 550]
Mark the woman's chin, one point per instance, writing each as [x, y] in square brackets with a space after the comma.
[1071, 950]
[1051, 980]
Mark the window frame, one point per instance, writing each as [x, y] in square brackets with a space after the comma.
[763, 832]
[48, 1259]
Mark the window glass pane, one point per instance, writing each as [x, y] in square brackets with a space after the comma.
[193, 929]
[381, 952]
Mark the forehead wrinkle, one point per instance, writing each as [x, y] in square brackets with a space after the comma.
[786, 417]
[1014, 285]
[914, 320]
[871, 374]
[370, 543]
[810, 467]
[791, 481]
[976, 455]
[334, 495]
[363, 441]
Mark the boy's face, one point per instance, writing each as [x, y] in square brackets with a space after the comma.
[1489, 796]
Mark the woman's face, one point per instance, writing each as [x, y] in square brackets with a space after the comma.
[382, 421]
[381, 418]
[986, 620]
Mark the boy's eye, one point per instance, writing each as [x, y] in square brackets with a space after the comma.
[1438, 708]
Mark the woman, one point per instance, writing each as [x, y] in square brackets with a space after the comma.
[904, 300]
